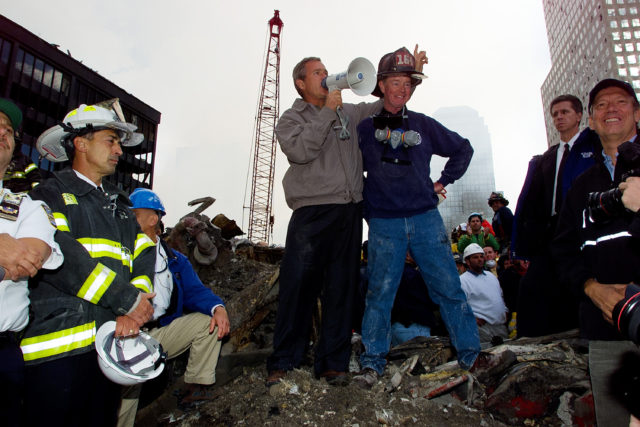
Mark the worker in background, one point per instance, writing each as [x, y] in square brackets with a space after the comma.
[186, 314]
[107, 274]
[26, 245]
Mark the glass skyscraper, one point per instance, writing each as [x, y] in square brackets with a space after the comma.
[589, 40]
[470, 193]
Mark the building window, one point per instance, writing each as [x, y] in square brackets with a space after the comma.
[27, 66]
[617, 47]
[635, 22]
[615, 35]
[624, 23]
[634, 71]
[620, 60]
[622, 11]
[5, 52]
[48, 75]
[626, 35]
[65, 85]
[628, 47]
[631, 59]
[57, 81]
[622, 72]
[38, 71]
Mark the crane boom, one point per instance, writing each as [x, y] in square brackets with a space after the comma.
[260, 209]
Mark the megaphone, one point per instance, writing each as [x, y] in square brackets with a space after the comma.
[360, 77]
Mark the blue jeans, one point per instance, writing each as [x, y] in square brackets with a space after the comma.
[401, 334]
[425, 237]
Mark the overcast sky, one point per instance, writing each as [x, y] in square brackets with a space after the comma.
[200, 63]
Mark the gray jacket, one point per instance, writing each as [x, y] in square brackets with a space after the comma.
[323, 169]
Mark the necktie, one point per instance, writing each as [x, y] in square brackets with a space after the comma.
[565, 155]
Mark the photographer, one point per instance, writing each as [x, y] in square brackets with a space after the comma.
[594, 247]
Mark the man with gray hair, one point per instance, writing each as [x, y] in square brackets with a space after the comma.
[596, 242]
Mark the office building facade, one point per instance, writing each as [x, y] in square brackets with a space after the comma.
[589, 40]
[46, 83]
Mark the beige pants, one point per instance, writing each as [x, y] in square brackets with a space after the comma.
[184, 333]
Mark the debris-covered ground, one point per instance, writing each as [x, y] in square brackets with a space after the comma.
[540, 381]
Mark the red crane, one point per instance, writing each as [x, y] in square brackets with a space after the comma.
[264, 153]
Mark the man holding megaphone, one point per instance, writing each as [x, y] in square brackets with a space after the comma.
[323, 186]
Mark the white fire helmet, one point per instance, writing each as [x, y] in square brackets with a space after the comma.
[86, 118]
[128, 361]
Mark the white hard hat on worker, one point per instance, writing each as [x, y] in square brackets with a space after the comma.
[56, 142]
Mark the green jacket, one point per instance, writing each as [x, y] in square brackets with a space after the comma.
[480, 239]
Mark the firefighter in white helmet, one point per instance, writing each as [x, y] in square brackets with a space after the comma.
[107, 274]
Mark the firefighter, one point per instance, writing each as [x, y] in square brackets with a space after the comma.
[107, 274]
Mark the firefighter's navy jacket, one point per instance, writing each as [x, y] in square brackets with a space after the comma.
[108, 261]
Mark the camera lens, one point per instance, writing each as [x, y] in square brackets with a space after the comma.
[626, 314]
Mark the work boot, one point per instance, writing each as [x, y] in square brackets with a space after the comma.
[366, 378]
[199, 392]
[337, 378]
[275, 377]
[488, 365]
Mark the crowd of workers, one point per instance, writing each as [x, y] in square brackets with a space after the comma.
[79, 255]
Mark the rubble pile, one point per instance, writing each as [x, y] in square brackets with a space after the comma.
[543, 381]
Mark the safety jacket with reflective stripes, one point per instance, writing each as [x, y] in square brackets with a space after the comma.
[607, 251]
[108, 261]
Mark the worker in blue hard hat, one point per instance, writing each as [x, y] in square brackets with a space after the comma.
[178, 291]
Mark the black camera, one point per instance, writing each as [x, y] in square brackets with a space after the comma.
[626, 314]
[603, 205]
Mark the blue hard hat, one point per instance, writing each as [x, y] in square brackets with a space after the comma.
[143, 198]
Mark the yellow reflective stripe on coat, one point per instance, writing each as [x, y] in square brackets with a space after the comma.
[96, 284]
[99, 248]
[58, 342]
[142, 242]
[143, 283]
[61, 221]
[31, 167]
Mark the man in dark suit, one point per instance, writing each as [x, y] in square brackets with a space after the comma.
[545, 307]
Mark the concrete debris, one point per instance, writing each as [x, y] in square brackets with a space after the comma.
[546, 384]
[204, 203]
